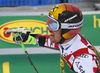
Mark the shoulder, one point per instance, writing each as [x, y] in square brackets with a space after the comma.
[85, 63]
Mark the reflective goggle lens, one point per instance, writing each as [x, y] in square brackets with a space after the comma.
[52, 23]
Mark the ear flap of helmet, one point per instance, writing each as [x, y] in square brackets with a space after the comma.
[70, 33]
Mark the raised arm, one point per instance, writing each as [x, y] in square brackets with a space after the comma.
[24, 35]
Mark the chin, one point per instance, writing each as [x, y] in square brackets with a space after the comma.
[52, 40]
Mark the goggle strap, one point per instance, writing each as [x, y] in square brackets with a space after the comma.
[71, 25]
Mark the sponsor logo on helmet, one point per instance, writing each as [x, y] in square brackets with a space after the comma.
[54, 8]
[69, 19]
[36, 26]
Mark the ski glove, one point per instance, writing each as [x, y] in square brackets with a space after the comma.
[21, 35]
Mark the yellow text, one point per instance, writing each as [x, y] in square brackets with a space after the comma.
[6, 68]
[96, 21]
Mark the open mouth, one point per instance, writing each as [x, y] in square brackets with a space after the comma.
[51, 34]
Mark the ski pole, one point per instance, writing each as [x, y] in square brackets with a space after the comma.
[22, 44]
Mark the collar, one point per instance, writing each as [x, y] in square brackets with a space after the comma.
[70, 43]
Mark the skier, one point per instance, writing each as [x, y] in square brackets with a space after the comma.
[64, 21]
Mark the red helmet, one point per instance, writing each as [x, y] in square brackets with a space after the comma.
[66, 17]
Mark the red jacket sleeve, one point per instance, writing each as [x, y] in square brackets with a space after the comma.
[44, 40]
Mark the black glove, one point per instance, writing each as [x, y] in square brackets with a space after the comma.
[19, 34]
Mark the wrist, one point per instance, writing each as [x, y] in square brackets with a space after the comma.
[31, 40]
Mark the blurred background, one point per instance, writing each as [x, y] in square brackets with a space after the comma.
[45, 5]
[31, 14]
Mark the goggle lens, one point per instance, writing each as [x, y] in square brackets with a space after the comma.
[52, 24]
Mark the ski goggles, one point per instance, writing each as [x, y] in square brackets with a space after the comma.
[54, 25]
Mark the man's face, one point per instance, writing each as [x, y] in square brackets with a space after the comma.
[55, 36]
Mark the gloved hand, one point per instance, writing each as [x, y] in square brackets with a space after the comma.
[21, 35]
